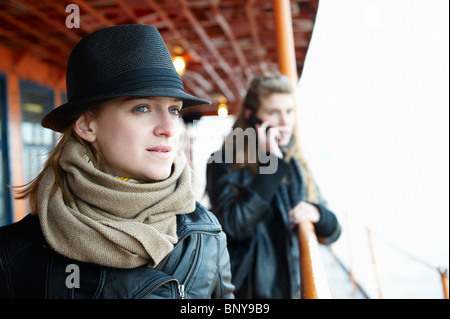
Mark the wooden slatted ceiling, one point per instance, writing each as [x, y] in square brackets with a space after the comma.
[225, 42]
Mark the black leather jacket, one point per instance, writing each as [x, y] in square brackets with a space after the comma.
[198, 267]
[263, 245]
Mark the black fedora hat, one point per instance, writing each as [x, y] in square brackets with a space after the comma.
[125, 60]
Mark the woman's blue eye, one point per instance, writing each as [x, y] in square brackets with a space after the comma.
[141, 109]
[175, 112]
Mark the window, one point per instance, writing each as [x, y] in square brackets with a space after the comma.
[37, 141]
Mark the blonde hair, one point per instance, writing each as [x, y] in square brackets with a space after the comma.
[261, 88]
[30, 189]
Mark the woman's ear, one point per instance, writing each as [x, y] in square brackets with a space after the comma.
[83, 128]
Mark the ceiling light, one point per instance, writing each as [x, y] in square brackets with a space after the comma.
[222, 110]
[180, 64]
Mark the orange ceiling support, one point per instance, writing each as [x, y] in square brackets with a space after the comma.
[285, 39]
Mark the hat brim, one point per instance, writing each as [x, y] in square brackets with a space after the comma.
[63, 116]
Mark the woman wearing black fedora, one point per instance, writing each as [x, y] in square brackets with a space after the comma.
[113, 213]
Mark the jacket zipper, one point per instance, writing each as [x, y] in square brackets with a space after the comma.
[148, 293]
[194, 262]
[191, 268]
[181, 291]
[163, 262]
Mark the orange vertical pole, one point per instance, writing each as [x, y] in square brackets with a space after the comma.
[57, 99]
[444, 278]
[285, 39]
[15, 141]
[287, 61]
[313, 278]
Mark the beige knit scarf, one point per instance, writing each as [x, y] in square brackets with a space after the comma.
[112, 222]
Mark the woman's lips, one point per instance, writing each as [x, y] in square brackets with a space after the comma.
[161, 151]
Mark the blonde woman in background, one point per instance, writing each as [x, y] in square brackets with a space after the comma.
[258, 208]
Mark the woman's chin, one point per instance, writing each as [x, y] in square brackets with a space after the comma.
[159, 174]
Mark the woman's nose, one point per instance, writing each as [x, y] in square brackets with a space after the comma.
[287, 119]
[283, 119]
[165, 125]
